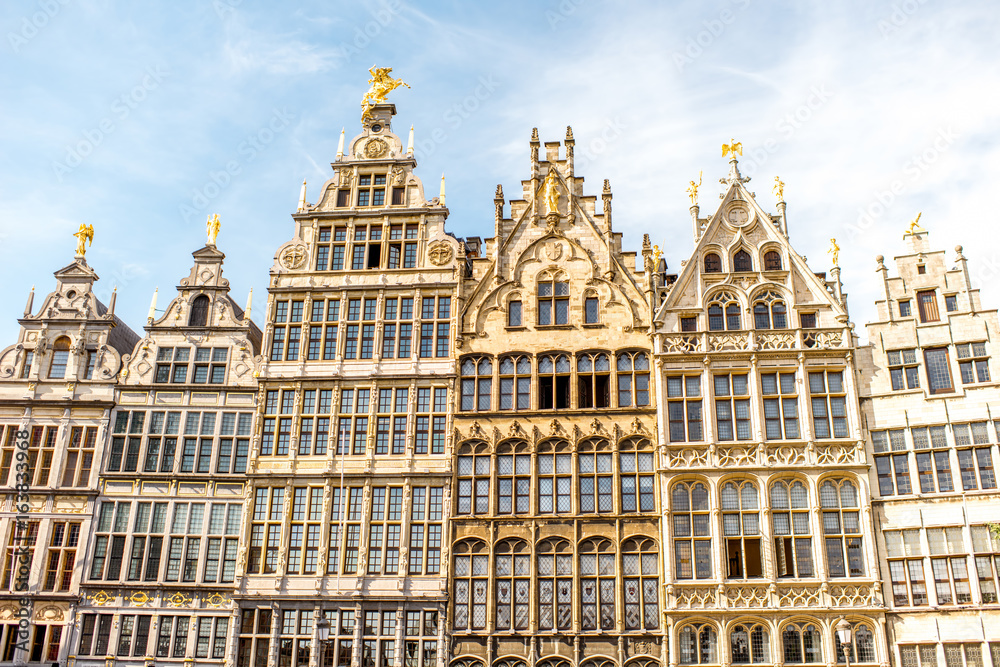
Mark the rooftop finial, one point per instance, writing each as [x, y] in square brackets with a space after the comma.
[442, 189]
[246, 311]
[693, 189]
[779, 188]
[534, 135]
[152, 306]
[31, 301]
[112, 300]
[212, 227]
[302, 196]
[733, 148]
[569, 133]
[409, 143]
[340, 145]
[915, 227]
[834, 253]
[83, 235]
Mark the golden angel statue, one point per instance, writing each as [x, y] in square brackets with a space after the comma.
[212, 227]
[779, 188]
[83, 236]
[381, 85]
[693, 190]
[915, 227]
[657, 254]
[550, 192]
[834, 252]
[733, 148]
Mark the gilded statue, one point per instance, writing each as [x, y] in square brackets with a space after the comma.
[779, 188]
[83, 236]
[212, 228]
[834, 252]
[657, 253]
[381, 85]
[550, 192]
[915, 227]
[693, 190]
[733, 148]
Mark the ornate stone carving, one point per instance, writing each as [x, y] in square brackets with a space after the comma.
[798, 597]
[440, 253]
[688, 458]
[776, 341]
[293, 257]
[748, 596]
[682, 344]
[376, 148]
[695, 598]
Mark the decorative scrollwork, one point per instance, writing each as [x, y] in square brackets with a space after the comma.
[748, 596]
[688, 458]
[695, 598]
[798, 597]
[681, 344]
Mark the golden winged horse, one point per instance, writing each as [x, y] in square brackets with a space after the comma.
[381, 85]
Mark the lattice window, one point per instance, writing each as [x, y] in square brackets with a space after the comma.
[684, 408]
[513, 478]
[792, 532]
[862, 647]
[633, 379]
[555, 585]
[741, 529]
[474, 464]
[640, 571]
[593, 375]
[596, 476]
[801, 643]
[697, 644]
[781, 406]
[515, 383]
[692, 533]
[636, 466]
[842, 528]
[513, 584]
[829, 404]
[770, 312]
[749, 644]
[724, 313]
[470, 581]
[477, 383]
[597, 585]
[555, 477]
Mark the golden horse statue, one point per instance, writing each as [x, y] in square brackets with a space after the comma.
[381, 85]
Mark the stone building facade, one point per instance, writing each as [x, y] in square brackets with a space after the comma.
[555, 528]
[350, 468]
[932, 406]
[161, 567]
[57, 386]
[767, 532]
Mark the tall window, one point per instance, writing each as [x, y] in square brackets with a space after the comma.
[61, 555]
[553, 382]
[724, 313]
[903, 369]
[938, 370]
[199, 311]
[29, 357]
[769, 312]
[397, 332]
[987, 550]
[932, 466]
[893, 470]
[842, 528]
[633, 378]
[553, 300]
[732, 407]
[748, 644]
[595, 475]
[973, 362]
[555, 585]
[593, 373]
[513, 584]
[742, 261]
[697, 644]
[514, 313]
[429, 347]
[949, 565]
[477, 384]
[781, 406]
[513, 478]
[591, 309]
[419, 652]
[684, 408]
[772, 260]
[829, 404]
[331, 255]
[295, 638]
[639, 577]
[60, 358]
[79, 456]
[555, 477]
[255, 636]
[712, 263]
[801, 643]
[636, 468]
[265, 531]
[425, 530]
[741, 529]
[971, 461]
[906, 568]
[474, 479]
[597, 585]
[692, 532]
[792, 532]
[515, 383]
[927, 305]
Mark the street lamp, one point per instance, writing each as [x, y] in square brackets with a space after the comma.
[844, 637]
[323, 628]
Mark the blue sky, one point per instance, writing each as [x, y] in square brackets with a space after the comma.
[125, 115]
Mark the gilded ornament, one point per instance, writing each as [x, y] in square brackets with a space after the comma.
[779, 188]
[550, 192]
[179, 600]
[693, 189]
[381, 85]
[733, 148]
[376, 148]
[834, 252]
[915, 227]
[212, 227]
[101, 598]
[83, 236]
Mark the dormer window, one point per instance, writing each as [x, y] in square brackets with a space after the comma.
[199, 311]
[29, 356]
[713, 264]
[553, 300]
[769, 312]
[772, 261]
[742, 261]
[60, 358]
[724, 313]
[371, 190]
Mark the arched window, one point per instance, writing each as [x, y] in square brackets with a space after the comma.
[772, 260]
[769, 312]
[692, 535]
[199, 312]
[697, 644]
[633, 374]
[597, 584]
[748, 644]
[555, 477]
[553, 382]
[741, 529]
[60, 358]
[553, 299]
[513, 478]
[471, 583]
[473, 478]
[515, 383]
[513, 584]
[790, 525]
[597, 482]
[862, 646]
[801, 643]
[641, 581]
[555, 585]
[593, 376]
[724, 313]
[713, 264]
[838, 499]
[591, 308]
[742, 261]
[636, 467]
[477, 383]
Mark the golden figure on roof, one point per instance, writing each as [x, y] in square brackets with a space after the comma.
[83, 236]
[212, 227]
[381, 85]
[733, 148]
[915, 227]
[550, 191]
[779, 188]
[834, 252]
[693, 190]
